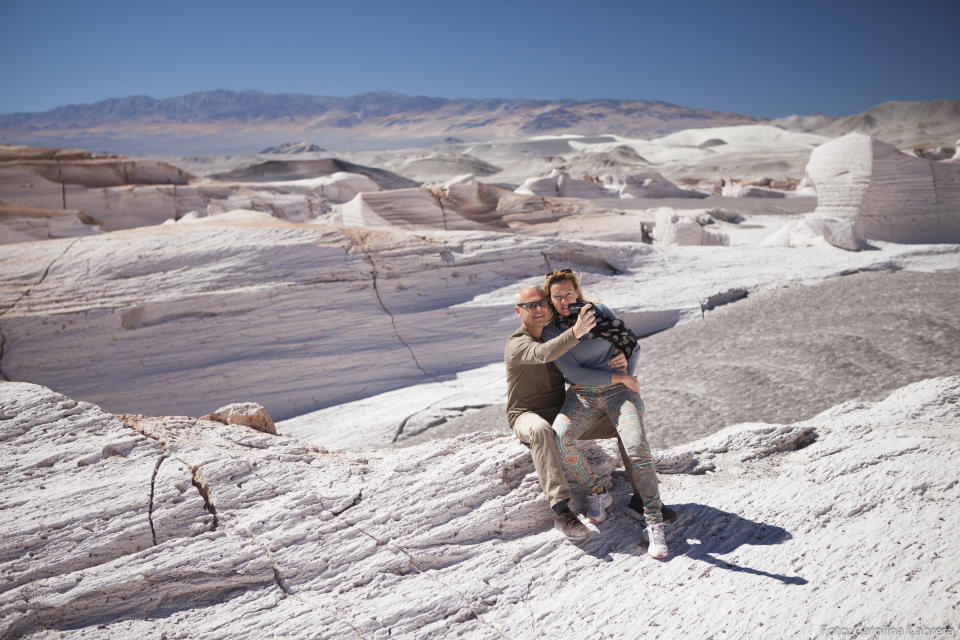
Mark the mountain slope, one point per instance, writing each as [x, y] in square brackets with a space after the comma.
[902, 124]
[227, 118]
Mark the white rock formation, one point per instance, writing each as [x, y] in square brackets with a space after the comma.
[955, 158]
[749, 135]
[815, 231]
[118, 192]
[649, 184]
[733, 189]
[560, 184]
[22, 224]
[302, 146]
[403, 208]
[675, 227]
[888, 195]
[298, 317]
[189, 529]
[806, 187]
[468, 196]
[246, 414]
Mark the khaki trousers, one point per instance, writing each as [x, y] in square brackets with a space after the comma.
[533, 430]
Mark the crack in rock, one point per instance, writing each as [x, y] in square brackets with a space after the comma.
[153, 484]
[204, 488]
[43, 276]
[438, 420]
[393, 320]
[413, 563]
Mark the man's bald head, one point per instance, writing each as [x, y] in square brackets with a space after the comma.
[528, 293]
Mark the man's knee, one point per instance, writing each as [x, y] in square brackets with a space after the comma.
[540, 434]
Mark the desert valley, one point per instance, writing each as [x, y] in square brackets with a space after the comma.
[253, 380]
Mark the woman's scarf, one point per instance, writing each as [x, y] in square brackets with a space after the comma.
[609, 328]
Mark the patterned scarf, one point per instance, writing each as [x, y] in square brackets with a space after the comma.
[609, 328]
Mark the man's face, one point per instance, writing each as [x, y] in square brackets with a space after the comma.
[538, 315]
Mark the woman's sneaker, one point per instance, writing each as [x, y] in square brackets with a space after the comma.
[635, 510]
[597, 504]
[658, 542]
[571, 527]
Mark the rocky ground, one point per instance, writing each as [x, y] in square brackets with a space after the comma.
[782, 355]
[182, 528]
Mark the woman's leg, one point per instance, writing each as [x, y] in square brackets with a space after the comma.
[579, 410]
[625, 410]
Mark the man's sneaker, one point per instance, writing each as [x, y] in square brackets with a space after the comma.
[571, 527]
[597, 504]
[635, 510]
[658, 542]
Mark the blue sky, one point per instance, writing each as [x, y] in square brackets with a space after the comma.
[761, 58]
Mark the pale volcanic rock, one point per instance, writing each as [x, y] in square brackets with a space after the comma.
[813, 230]
[118, 192]
[888, 195]
[114, 207]
[298, 317]
[287, 170]
[88, 170]
[561, 185]
[673, 227]
[246, 414]
[403, 208]
[294, 148]
[955, 158]
[648, 184]
[733, 189]
[453, 537]
[447, 166]
[77, 488]
[472, 199]
[23, 224]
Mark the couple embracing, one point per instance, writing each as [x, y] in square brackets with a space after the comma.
[591, 349]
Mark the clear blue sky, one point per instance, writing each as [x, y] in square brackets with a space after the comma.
[761, 58]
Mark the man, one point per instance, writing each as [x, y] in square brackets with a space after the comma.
[535, 393]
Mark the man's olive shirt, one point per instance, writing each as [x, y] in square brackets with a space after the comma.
[533, 382]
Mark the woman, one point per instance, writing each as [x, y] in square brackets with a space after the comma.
[595, 388]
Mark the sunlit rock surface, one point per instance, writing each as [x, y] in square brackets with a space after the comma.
[889, 195]
[138, 526]
[24, 224]
[298, 317]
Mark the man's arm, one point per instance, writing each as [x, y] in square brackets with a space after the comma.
[523, 349]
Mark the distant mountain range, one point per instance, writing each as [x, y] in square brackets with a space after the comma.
[249, 120]
[904, 124]
[246, 121]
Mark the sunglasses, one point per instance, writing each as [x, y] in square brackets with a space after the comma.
[542, 302]
[560, 271]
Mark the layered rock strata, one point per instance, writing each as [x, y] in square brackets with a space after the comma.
[186, 528]
[246, 307]
[886, 194]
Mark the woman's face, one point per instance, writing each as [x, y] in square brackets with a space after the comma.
[561, 295]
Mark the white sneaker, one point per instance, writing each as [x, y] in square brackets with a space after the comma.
[658, 542]
[597, 504]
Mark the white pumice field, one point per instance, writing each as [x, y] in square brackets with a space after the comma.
[794, 288]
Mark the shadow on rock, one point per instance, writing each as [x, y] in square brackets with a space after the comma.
[702, 532]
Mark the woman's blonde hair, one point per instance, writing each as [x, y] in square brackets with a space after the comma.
[560, 276]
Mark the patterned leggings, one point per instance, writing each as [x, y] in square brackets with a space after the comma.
[624, 407]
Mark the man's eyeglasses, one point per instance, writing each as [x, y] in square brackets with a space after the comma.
[534, 304]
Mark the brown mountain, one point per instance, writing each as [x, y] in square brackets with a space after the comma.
[244, 121]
